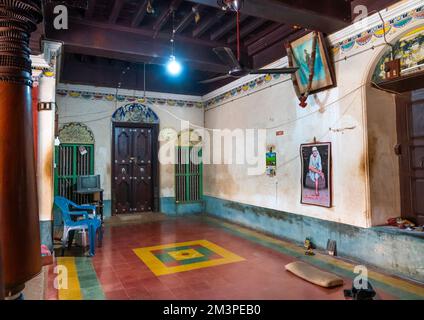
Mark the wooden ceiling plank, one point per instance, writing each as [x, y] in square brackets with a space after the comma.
[187, 19]
[90, 9]
[207, 24]
[271, 38]
[146, 32]
[140, 14]
[227, 27]
[324, 15]
[112, 41]
[251, 27]
[116, 10]
[276, 51]
[272, 27]
[163, 19]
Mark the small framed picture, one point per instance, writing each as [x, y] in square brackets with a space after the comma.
[316, 174]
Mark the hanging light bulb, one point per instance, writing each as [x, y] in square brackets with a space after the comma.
[174, 67]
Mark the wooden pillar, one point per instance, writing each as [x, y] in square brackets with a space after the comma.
[35, 118]
[19, 225]
[1, 277]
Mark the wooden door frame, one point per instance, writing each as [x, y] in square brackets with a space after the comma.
[155, 160]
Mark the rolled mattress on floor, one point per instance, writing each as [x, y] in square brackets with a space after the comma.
[314, 275]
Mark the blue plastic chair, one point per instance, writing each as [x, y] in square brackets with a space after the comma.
[90, 222]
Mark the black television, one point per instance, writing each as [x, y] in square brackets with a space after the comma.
[88, 183]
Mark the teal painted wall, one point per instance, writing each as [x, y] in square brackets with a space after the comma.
[170, 207]
[46, 236]
[396, 251]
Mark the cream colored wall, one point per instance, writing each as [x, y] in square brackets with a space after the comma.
[97, 116]
[277, 105]
[364, 171]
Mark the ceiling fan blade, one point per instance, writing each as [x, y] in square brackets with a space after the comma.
[216, 79]
[227, 56]
[275, 71]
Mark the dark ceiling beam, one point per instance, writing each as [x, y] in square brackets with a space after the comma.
[164, 17]
[146, 32]
[227, 27]
[185, 22]
[259, 35]
[276, 51]
[94, 71]
[269, 39]
[140, 13]
[324, 15]
[207, 24]
[116, 9]
[246, 30]
[371, 5]
[109, 41]
[90, 9]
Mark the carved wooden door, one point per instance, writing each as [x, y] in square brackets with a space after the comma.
[132, 169]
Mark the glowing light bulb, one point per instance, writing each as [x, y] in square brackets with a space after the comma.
[174, 67]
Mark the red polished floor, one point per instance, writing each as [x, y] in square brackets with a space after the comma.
[122, 275]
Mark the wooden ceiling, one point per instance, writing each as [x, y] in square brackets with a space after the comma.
[108, 41]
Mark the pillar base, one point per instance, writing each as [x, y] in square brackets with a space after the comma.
[46, 235]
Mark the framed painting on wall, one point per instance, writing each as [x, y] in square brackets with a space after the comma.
[301, 54]
[316, 174]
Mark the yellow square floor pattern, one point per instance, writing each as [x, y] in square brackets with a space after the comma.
[185, 256]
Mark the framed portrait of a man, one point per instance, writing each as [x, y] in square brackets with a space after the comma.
[316, 174]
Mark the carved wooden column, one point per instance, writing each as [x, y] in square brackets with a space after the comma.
[19, 225]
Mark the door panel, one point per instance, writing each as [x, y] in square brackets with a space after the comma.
[411, 136]
[133, 183]
[142, 170]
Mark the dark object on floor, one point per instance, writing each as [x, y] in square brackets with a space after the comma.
[314, 275]
[332, 247]
[361, 294]
[309, 247]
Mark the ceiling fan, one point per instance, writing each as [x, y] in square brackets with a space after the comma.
[237, 71]
[226, 55]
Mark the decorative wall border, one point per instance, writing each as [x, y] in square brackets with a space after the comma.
[392, 26]
[244, 88]
[97, 96]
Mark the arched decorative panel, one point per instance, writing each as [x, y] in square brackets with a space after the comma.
[189, 137]
[76, 133]
[136, 113]
[409, 49]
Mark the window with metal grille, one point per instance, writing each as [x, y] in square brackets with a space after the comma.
[72, 160]
[188, 174]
